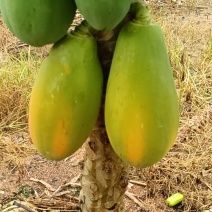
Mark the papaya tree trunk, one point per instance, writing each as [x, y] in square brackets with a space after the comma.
[104, 176]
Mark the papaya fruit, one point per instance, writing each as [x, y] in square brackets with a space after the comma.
[39, 22]
[141, 105]
[66, 97]
[103, 15]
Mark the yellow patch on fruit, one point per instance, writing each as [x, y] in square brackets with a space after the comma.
[60, 140]
[133, 138]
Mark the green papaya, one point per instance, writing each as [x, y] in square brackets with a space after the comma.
[141, 106]
[103, 15]
[39, 22]
[66, 97]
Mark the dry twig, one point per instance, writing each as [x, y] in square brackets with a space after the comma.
[18, 204]
[48, 186]
[132, 197]
[137, 182]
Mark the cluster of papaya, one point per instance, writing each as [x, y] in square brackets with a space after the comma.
[141, 104]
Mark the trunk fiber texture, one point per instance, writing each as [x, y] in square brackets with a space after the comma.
[104, 175]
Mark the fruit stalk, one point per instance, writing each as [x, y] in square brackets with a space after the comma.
[141, 12]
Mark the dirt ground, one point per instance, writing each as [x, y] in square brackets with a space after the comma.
[29, 182]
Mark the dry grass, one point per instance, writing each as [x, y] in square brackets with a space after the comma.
[15, 81]
[188, 166]
[18, 65]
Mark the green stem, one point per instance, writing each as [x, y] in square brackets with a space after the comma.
[84, 29]
[141, 13]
